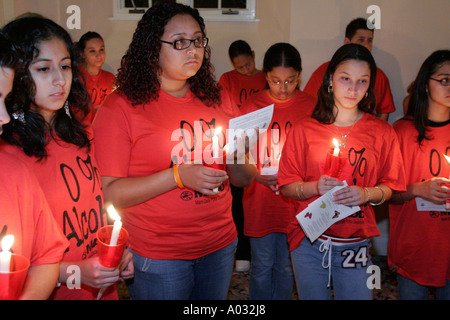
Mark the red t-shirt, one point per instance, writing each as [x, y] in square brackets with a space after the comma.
[418, 241]
[27, 216]
[373, 159]
[72, 186]
[99, 86]
[382, 89]
[242, 87]
[146, 139]
[264, 211]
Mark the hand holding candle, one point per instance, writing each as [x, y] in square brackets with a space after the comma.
[5, 255]
[111, 241]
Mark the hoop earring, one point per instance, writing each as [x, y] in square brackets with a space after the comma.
[330, 89]
[67, 109]
[19, 116]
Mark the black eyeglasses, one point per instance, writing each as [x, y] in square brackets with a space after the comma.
[444, 82]
[182, 44]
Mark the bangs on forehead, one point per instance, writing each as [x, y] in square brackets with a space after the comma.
[37, 46]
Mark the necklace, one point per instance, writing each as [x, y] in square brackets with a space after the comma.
[345, 136]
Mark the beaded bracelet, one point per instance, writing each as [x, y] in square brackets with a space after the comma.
[177, 178]
[382, 197]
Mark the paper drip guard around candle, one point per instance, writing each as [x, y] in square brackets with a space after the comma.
[112, 240]
[335, 161]
[447, 202]
[13, 273]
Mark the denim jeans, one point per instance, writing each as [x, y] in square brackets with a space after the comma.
[411, 290]
[205, 278]
[348, 264]
[271, 276]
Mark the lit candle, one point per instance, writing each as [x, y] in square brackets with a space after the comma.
[447, 202]
[5, 255]
[117, 225]
[215, 143]
[336, 149]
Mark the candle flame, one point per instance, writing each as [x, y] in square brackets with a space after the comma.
[113, 213]
[447, 158]
[336, 143]
[7, 242]
[217, 131]
[226, 147]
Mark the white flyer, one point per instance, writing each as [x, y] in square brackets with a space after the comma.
[424, 205]
[248, 123]
[323, 213]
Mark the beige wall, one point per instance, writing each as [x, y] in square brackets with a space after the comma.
[410, 31]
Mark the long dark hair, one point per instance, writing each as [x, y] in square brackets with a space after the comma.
[138, 79]
[26, 34]
[323, 111]
[418, 104]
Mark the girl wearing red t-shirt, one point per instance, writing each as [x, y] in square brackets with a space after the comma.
[419, 249]
[25, 211]
[266, 212]
[49, 133]
[153, 135]
[99, 82]
[373, 168]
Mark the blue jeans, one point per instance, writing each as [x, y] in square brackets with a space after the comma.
[411, 290]
[271, 276]
[205, 278]
[348, 273]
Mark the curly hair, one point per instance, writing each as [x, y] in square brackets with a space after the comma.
[137, 77]
[26, 34]
[323, 111]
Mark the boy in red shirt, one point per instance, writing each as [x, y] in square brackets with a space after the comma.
[358, 32]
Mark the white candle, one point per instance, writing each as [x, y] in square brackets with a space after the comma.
[336, 149]
[215, 142]
[5, 255]
[117, 225]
